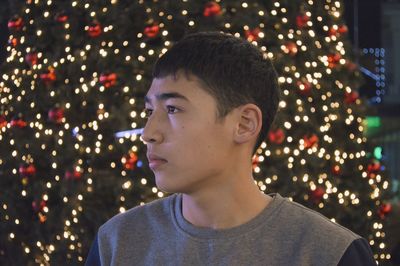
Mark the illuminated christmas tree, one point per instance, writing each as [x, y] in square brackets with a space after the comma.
[71, 97]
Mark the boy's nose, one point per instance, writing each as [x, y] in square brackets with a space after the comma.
[151, 132]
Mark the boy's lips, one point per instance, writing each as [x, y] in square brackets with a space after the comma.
[155, 160]
[153, 156]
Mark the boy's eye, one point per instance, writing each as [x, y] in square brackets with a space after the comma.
[172, 109]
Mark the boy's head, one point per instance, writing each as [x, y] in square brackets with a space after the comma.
[231, 69]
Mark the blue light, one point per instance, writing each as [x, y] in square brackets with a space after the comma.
[368, 73]
[377, 72]
[139, 163]
[375, 100]
[128, 133]
[75, 131]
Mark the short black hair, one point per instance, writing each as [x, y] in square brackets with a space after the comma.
[234, 71]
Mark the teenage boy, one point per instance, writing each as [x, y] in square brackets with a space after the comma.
[211, 103]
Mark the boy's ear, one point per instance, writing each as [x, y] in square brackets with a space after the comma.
[249, 123]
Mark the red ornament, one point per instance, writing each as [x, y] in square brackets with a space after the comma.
[15, 23]
[49, 76]
[3, 121]
[38, 206]
[31, 58]
[333, 60]
[61, 17]
[152, 30]
[108, 80]
[252, 35]
[336, 57]
[351, 97]
[276, 136]
[212, 9]
[129, 161]
[373, 169]
[18, 122]
[13, 42]
[317, 194]
[336, 170]
[27, 170]
[290, 48]
[384, 210]
[95, 30]
[311, 141]
[302, 20]
[332, 32]
[343, 29]
[336, 31]
[304, 88]
[73, 175]
[56, 115]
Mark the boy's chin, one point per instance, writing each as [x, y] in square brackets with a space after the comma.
[169, 185]
[165, 185]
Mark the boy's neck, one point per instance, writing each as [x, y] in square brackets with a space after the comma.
[227, 207]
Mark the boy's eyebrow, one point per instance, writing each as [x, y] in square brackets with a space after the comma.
[165, 96]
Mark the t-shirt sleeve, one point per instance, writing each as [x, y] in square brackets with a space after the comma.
[93, 258]
[357, 254]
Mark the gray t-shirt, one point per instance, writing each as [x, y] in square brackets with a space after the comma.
[284, 233]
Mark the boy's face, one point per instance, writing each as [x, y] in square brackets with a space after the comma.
[188, 148]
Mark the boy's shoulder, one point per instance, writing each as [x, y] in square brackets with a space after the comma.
[308, 224]
[156, 210]
[300, 232]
